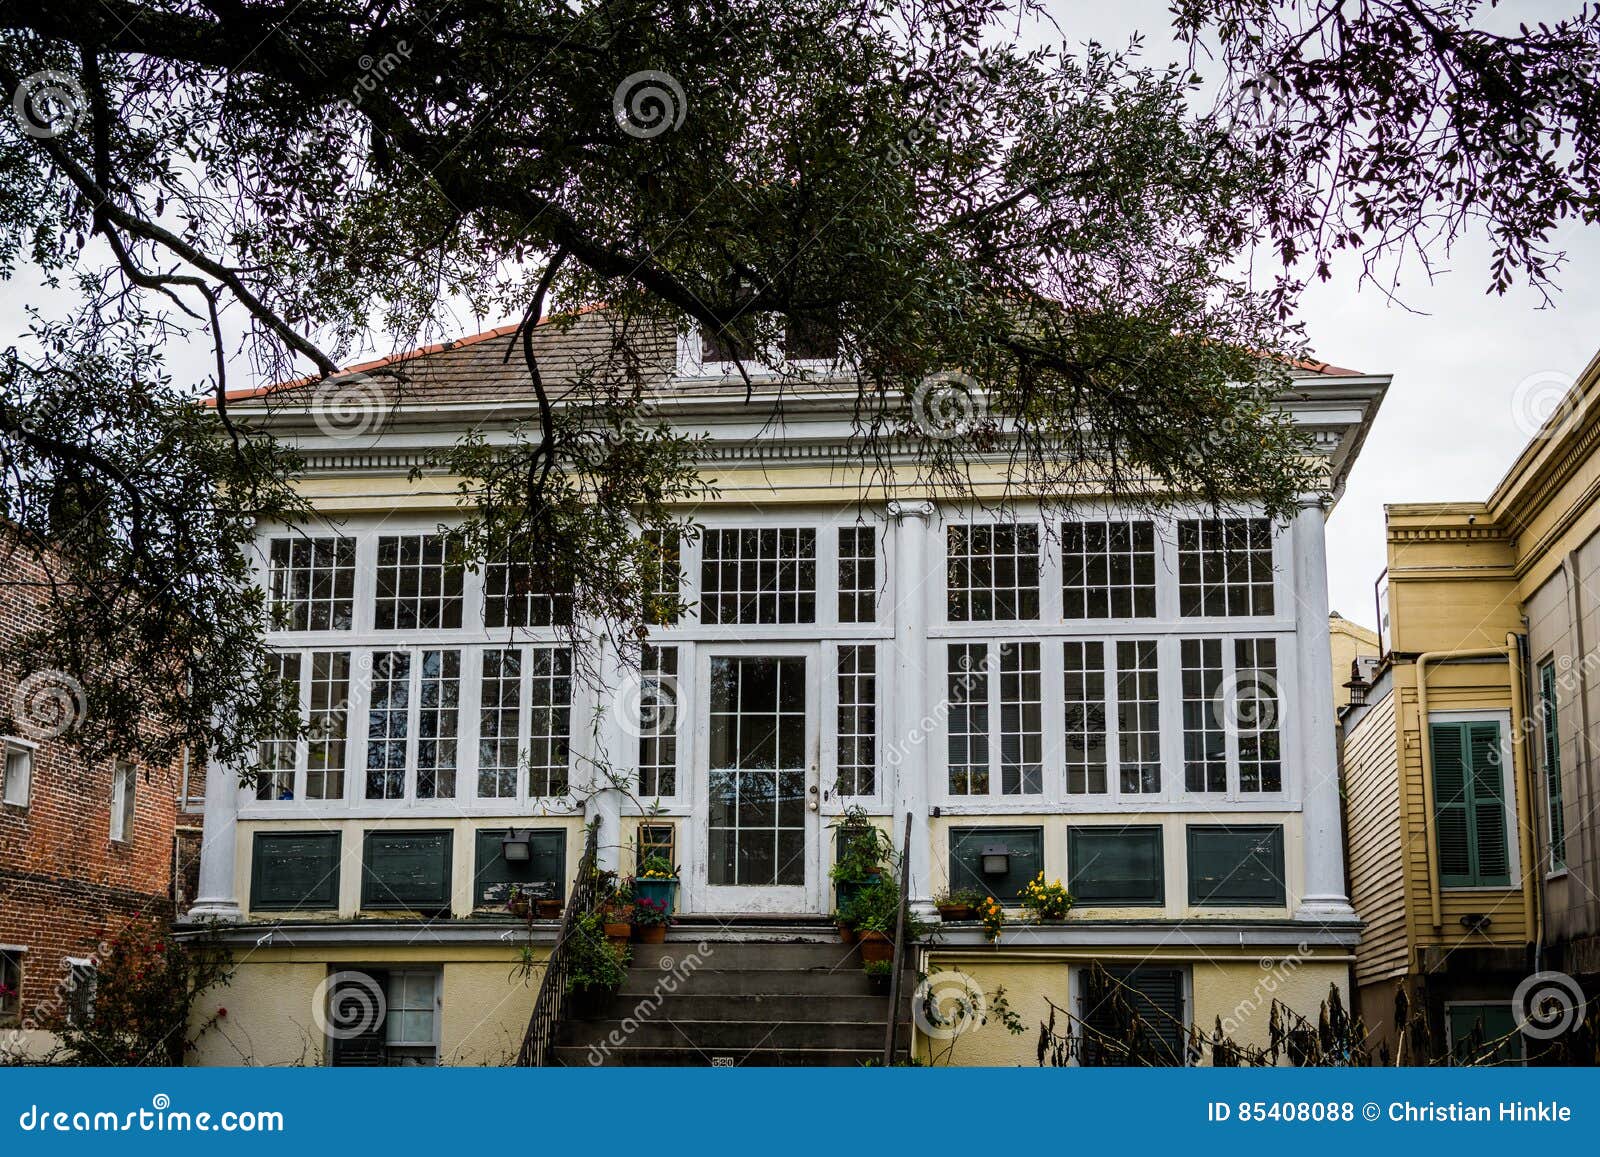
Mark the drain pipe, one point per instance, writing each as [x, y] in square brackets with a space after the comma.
[1518, 768]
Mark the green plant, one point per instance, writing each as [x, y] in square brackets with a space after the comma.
[657, 868]
[958, 897]
[876, 907]
[879, 967]
[1049, 900]
[993, 917]
[648, 913]
[596, 963]
[864, 849]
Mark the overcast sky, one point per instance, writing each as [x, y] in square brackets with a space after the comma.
[1454, 419]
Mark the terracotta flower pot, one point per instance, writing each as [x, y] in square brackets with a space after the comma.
[549, 909]
[875, 946]
[847, 934]
[521, 907]
[957, 912]
[618, 932]
[650, 933]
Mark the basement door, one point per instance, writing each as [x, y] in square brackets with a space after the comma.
[756, 782]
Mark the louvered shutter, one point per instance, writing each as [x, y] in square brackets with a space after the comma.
[1450, 806]
[1488, 804]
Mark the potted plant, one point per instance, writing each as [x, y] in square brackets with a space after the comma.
[878, 974]
[877, 909]
[616, 910]
[1048, 900]
[958, 903]
[845, 920]
[993, 917]
[598, 967]
[657, 879]
[650, 920]
[547, 908]
[864, 848]
[519, 902]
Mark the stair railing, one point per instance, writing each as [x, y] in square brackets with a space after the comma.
[899, 950]
[538, 1042]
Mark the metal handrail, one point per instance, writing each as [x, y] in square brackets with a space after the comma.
[545, 1023]
[899, 950]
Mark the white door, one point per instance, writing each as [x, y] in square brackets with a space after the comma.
[756, 781]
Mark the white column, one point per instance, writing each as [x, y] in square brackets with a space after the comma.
[217, 900]
[1323, 897]
[914, 586]
[608, 706]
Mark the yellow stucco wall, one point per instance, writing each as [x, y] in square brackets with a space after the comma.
[271, 1003]
[1237, 988]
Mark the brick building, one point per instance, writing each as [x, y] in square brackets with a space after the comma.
[84, 846]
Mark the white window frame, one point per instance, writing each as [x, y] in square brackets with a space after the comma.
[124, 792]
[829, 779]
[412, 1048]
[269, 543]
[769, 364]
[75, 965]
[18, 747]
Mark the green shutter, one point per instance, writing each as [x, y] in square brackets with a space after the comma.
[1026, 848]
[1237, 866]
[1484, 1034]
[1154, 996]
[406, 869]
[1115, 866]
[545, 872]
[1469, 805]
[1552, 768]
[294, 870]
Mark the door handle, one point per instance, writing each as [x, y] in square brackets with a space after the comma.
[812, 801]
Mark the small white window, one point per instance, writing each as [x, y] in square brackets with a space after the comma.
[124, 779]
[18, 773]
[82, 980]
[411, 1022]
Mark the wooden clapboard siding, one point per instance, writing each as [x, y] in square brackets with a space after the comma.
[1377, 883]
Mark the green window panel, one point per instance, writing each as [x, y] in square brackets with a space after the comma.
[1115, 866]
[1484, 1034]
[406, 869]
[1555, 812]
[544, 873]
[1469, 805]
[1155, 1034]
[1237, 866]
[294, 870]
[1026, 848]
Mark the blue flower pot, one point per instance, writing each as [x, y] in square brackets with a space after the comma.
[663, 891]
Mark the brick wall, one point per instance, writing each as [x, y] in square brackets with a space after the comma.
[65, 884]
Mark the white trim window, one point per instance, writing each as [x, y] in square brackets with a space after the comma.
[550, 720]
[856, 737]
[18, 772]
[1225, 567]
[993, 572]
[515, 596]
[1138, 715]
[124, 798]
[1108, 569]
[658, 721]
[1205, 745]
[83, 980]
[418, 587]
[1003, 682]
[413, 721]
[758, 575]
[278, 756]
[1084, 695]
[411, 1018]
[858, 574]
[499, 723]
[311, 582]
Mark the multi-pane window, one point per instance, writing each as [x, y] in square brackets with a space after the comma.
[656, 840]
[418, 587]
[1138, 716]
[499, 720]
[439, 710]
[1224, 567]
[664, 578]
[992, 572]
[550, 712]
[10, 983]
[765, 575]
[1108, 570]
[516, 595]
[658, 721]
[388, 724]
[1021, 720]
[312, 583]
[857, 719]
[1254, 713]
[1084, 686]
[1554, 811]
[1205, 758]
[1470, 804]
[124, 788]
[278, 756]
[82, 981]
[410, 1031]
[858, 574]
[328, 700]
[18, 773]
[968, 723]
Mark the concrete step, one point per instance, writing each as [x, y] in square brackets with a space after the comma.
[583, 1056]
[659, 1031]
[863, 1007]
[744, 955]
[736, 982]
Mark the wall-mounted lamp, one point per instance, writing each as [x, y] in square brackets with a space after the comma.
[1476, 922]
[996, 859]
[517, 846]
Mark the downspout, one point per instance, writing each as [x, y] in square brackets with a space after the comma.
[1522, 769]
[1508, 653]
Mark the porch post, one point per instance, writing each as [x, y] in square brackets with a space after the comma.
[907, 752]
[217, 900]
[606, 704]
[1323, 896]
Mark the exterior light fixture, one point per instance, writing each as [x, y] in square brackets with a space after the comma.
[996, 859]
[517, 846]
